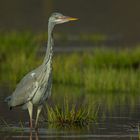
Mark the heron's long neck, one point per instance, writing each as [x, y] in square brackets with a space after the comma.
[49, 51]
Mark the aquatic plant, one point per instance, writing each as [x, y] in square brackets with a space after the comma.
[100, 70]
[70, 114]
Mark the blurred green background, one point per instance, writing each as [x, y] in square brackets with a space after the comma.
[108, 30]
[118, 20]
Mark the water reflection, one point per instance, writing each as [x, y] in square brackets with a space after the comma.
[36, 135]
[102, 134]
[118, 116]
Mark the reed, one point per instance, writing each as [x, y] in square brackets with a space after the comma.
[69, 114]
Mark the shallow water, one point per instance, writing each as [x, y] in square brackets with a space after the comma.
[118, 118]
[103, 131]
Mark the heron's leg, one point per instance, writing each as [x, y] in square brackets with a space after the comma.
[37, 116]
[31, 134]
[36, 135]
[30, 110]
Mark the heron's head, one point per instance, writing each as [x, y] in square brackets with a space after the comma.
[58, 18]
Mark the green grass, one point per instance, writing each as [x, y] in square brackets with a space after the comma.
[68, 113]
[17, 56]
[100, 70]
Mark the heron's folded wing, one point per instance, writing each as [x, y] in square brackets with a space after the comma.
[24, 91]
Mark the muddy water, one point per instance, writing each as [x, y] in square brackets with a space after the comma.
[118, 118]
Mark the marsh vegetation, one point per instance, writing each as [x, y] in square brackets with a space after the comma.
[86, 82]
[100, 70]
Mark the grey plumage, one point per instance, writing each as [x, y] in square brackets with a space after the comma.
[35, 87]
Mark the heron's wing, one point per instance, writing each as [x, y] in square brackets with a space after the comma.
[25, 90]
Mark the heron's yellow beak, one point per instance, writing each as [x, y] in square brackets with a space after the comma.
[71, 18]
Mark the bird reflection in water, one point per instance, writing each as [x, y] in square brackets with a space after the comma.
[35, 134]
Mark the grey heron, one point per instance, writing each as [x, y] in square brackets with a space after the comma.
[35, 87]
